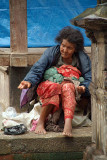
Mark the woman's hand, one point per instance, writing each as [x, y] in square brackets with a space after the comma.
[24, 85]
[81, 89]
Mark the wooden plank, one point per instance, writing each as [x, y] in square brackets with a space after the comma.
[5, 60]
[18, 25]
[18, 60]
[8, 58]
[32, 59]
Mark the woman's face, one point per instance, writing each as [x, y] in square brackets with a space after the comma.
[67, 49]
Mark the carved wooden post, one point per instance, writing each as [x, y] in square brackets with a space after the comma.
[99, 90]
[94, 20]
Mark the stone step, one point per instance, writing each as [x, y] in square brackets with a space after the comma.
[31, 146]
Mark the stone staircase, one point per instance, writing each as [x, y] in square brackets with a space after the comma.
[52, 146]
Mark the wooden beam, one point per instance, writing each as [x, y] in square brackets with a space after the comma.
[8, 58]
[18, 26]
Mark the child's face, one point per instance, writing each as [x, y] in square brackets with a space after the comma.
[67, 49]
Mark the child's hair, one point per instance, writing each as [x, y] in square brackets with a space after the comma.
[72, 36]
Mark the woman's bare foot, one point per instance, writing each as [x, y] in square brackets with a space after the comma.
[67, 128]
[40, 128]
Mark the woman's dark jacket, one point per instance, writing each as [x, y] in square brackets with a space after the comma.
[50, 58]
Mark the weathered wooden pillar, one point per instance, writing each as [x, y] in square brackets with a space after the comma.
[18, 32]
[14, 62]
[94, 20]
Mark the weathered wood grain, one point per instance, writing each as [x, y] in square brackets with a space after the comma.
[18, 25]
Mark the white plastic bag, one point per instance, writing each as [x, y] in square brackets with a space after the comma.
[12, 118]
[10, 112]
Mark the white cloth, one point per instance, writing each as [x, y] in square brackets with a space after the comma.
[12, 118]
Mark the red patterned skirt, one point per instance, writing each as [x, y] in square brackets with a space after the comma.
[54, 93]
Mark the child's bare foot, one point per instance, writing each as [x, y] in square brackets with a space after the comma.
[40, 129]
[67, 128]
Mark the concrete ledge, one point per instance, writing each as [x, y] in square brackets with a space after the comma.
[49, 143]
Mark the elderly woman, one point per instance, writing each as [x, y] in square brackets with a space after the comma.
[69, 51]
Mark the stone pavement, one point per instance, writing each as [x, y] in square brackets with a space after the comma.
[30, 146]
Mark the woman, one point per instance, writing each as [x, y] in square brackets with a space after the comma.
[68, 52]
